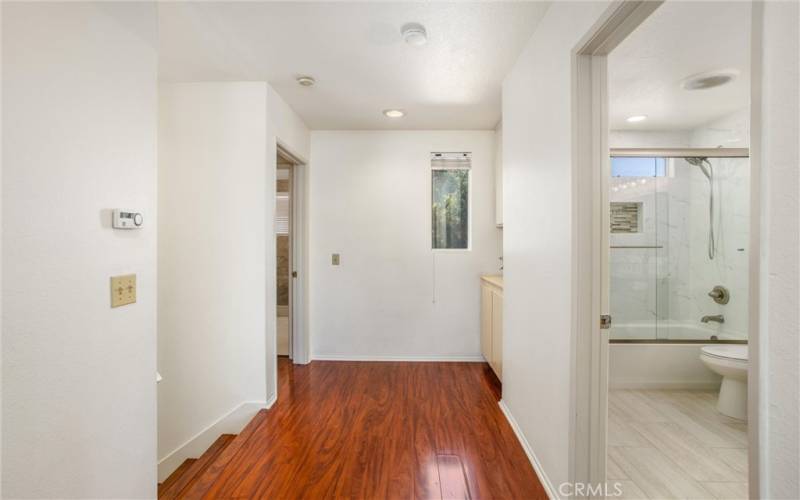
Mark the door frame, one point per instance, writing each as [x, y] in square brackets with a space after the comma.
[298, 286]
[289, 167]
[590, 216]
[590, 174]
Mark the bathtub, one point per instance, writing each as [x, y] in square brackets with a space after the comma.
[637, 360]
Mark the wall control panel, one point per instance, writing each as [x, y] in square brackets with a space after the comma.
[123, 290]
[127, 219]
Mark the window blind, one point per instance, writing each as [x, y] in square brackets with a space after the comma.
[446, 161]
[282, 213]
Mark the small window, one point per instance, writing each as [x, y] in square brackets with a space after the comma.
[450, 200]
[623, 166]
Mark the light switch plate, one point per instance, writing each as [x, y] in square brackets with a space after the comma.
[123, 290]
[335, 259]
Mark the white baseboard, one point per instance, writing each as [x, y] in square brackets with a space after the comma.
[537, 466]
[369, 357]
[231, 423]
[671, 385]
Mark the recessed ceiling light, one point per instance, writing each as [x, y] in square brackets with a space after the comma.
[636, 118]
[414, 34]
[709, 80]
[394, 113]
[306, 81]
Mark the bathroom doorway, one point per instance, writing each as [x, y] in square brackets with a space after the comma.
[289, 344]
[284, 256]
[663, 251]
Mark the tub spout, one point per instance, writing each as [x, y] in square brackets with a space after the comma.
[717, 318]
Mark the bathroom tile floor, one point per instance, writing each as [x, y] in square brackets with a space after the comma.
[674, 444]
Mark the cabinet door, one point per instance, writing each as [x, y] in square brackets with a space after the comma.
[497, 334]
[486, 323]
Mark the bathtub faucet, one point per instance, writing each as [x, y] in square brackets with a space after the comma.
[717, 318]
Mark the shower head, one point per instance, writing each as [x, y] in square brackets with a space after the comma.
[701, 162]
[708, 171]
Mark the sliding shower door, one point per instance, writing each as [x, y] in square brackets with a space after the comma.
[678, 260]
[634, 247]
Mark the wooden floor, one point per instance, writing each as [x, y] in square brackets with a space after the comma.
[674, 444]
[373, 431]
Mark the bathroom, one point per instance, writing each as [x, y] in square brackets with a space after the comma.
[678, 257]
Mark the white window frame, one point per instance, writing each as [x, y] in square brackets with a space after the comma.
[469, 211]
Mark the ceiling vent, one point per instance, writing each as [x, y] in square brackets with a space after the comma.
[709, 80]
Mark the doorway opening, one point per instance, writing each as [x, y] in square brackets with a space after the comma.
[664, 205]
[284, 256]
[289, 345]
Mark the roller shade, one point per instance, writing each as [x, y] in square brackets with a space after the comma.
[445, 161]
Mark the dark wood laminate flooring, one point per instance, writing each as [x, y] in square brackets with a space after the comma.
[375, 430]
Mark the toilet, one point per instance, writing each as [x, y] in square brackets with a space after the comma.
[730, 361]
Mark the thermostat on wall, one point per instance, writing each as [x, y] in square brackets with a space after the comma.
[127, 219]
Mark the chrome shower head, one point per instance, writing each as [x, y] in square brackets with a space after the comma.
[701, 162]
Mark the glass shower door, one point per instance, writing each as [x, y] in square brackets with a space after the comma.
[679, 235]
[634, 254]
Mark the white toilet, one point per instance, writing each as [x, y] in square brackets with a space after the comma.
[730, 361]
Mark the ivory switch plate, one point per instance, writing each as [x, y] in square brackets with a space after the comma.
[123, 290]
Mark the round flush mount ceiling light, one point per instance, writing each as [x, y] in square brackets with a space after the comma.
[636, 118]
[709, 80]
[414, 34]
[306, 81]
[394, 113]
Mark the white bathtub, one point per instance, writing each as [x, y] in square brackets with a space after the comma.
[668, 330]
[654, 365]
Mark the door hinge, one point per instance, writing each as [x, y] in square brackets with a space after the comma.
[605, 321]
[294, 274]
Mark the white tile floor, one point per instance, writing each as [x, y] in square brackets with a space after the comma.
[674, 444]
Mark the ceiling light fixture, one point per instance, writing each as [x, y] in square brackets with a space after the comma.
[636, 118]
[414, 34]
[394, 113]
[709, 80]
[306, 81]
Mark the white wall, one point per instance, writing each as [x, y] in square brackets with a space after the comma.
[211, 319]
[648, 138]
[79, 412]
[780, 277]
[537, 189]
[370, 202]
[216, 317]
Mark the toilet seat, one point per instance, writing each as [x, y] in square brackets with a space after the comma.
[733, 352]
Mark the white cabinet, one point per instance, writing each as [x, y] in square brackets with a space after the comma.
[492, 322]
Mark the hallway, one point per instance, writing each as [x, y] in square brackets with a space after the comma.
[376, 430]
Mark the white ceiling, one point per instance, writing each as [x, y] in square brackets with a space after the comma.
[678, 40]
[356, 53]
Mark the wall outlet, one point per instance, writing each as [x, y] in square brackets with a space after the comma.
[334, 259]
[123, 290]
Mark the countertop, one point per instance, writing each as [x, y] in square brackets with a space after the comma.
[494, 279]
